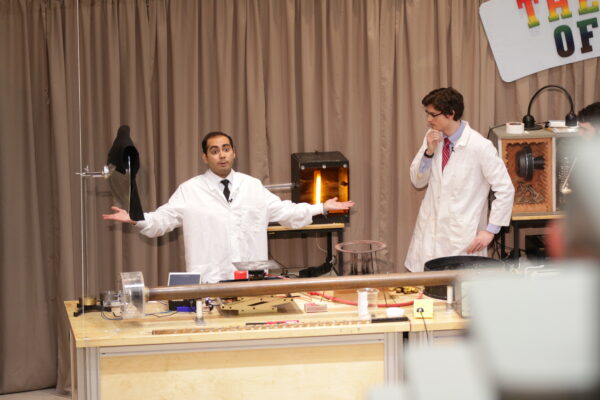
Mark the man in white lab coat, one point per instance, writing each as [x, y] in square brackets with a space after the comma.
[459, 167]
[224, 214]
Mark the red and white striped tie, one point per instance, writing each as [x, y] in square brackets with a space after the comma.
[445, 153]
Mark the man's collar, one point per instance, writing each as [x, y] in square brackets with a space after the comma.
[458, 133]
[216, 179]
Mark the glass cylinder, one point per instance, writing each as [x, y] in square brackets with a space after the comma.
[367, 303]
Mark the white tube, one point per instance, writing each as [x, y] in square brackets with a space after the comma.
[449, 295]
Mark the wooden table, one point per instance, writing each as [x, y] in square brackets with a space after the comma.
[326, 355]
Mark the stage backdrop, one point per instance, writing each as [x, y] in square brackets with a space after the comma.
[279, 76]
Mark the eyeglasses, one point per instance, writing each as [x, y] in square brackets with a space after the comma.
[432, 115]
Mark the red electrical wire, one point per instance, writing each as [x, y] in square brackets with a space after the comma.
[354, 303]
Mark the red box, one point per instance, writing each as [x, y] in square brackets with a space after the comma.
[238, 275]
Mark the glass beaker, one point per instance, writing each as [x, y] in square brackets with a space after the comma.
[111, 301]
[361, 257]
[367, 303]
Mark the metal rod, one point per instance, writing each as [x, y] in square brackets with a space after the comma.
[284, 286]
[86, 173]
[280, 186]
[90, 174]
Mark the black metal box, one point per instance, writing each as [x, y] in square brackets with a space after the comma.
[319, 176]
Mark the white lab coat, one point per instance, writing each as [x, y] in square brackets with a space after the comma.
[216, 232]
[455, 205]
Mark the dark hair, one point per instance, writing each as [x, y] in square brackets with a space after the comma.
[446, 100]
[212, 135]
[590, 114]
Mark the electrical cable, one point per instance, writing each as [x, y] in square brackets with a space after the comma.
[354, 303]
[495, 245]
[317, 243]
[109, 318]
[322, 296]
[420, 310]
[165, 314]
[492, 128]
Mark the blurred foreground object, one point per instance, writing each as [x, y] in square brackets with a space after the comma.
[583, 209]
[538, 336]
[531, 337]
[578, 235]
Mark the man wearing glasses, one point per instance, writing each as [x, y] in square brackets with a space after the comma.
[459, 167]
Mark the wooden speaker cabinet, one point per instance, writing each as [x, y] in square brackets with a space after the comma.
[531, 161]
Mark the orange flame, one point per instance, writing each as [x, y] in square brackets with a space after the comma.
[317, 199]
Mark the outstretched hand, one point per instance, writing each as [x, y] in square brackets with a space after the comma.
[119, 215]
[333, 204]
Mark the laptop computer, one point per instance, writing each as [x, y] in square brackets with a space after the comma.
[180, 279]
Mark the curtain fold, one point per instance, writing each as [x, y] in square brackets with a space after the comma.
[280, 76]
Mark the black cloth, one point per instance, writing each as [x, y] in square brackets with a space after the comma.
[122, 155]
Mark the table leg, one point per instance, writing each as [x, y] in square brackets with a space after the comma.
[340, 255]
[329, 259]
[503, 243]
[516, 244]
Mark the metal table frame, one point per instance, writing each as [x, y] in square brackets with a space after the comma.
[518, 221]
[278, 231]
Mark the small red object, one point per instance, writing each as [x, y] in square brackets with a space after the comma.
[240, 275]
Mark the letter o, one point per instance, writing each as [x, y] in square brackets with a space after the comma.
[560, 32]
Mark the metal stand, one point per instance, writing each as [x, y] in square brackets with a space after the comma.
[278, 231]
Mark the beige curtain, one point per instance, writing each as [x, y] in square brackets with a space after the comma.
[281, 76]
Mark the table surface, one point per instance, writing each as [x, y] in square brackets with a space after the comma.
[93, 329]
[312, 227]
[537, 216]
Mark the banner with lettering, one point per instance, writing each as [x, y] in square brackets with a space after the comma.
[528, 36]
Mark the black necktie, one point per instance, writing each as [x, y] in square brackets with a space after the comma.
[225, 183]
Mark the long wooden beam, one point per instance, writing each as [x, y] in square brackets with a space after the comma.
[284, 286]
